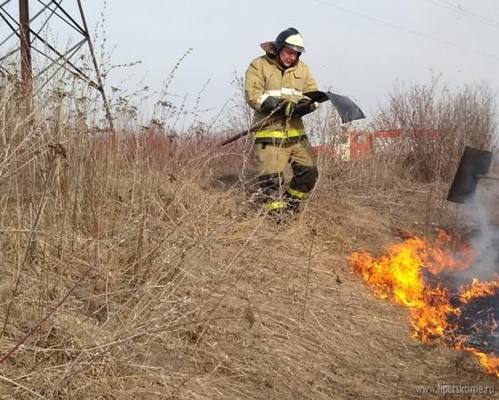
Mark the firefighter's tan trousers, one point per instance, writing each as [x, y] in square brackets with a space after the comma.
[273, 158]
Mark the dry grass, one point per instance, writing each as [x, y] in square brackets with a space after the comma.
[177, 289]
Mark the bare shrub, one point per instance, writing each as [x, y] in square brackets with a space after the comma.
[436, 124]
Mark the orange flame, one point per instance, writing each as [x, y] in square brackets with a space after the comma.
[489, 363]
[478, 289]
[398, 275]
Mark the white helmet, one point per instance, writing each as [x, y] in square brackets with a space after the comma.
[290, 38]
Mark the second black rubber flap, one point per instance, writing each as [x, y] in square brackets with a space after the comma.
[474, 164]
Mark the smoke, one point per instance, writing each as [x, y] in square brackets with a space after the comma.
[476, 320]
[484, 212]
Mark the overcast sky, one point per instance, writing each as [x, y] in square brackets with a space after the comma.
[359, 48]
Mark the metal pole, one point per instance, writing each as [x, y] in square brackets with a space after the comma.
[97, 71]
[25, 44]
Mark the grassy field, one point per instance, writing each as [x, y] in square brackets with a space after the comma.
[134, 267]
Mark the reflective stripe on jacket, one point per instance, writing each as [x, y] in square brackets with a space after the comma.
[264, 78]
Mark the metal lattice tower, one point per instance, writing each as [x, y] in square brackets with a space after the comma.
[31, 41]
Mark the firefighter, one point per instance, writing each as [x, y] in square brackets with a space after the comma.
[275, 85]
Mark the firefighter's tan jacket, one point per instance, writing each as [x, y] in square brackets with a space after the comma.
[264, 78]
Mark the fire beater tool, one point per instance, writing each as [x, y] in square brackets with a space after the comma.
[346, 108]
